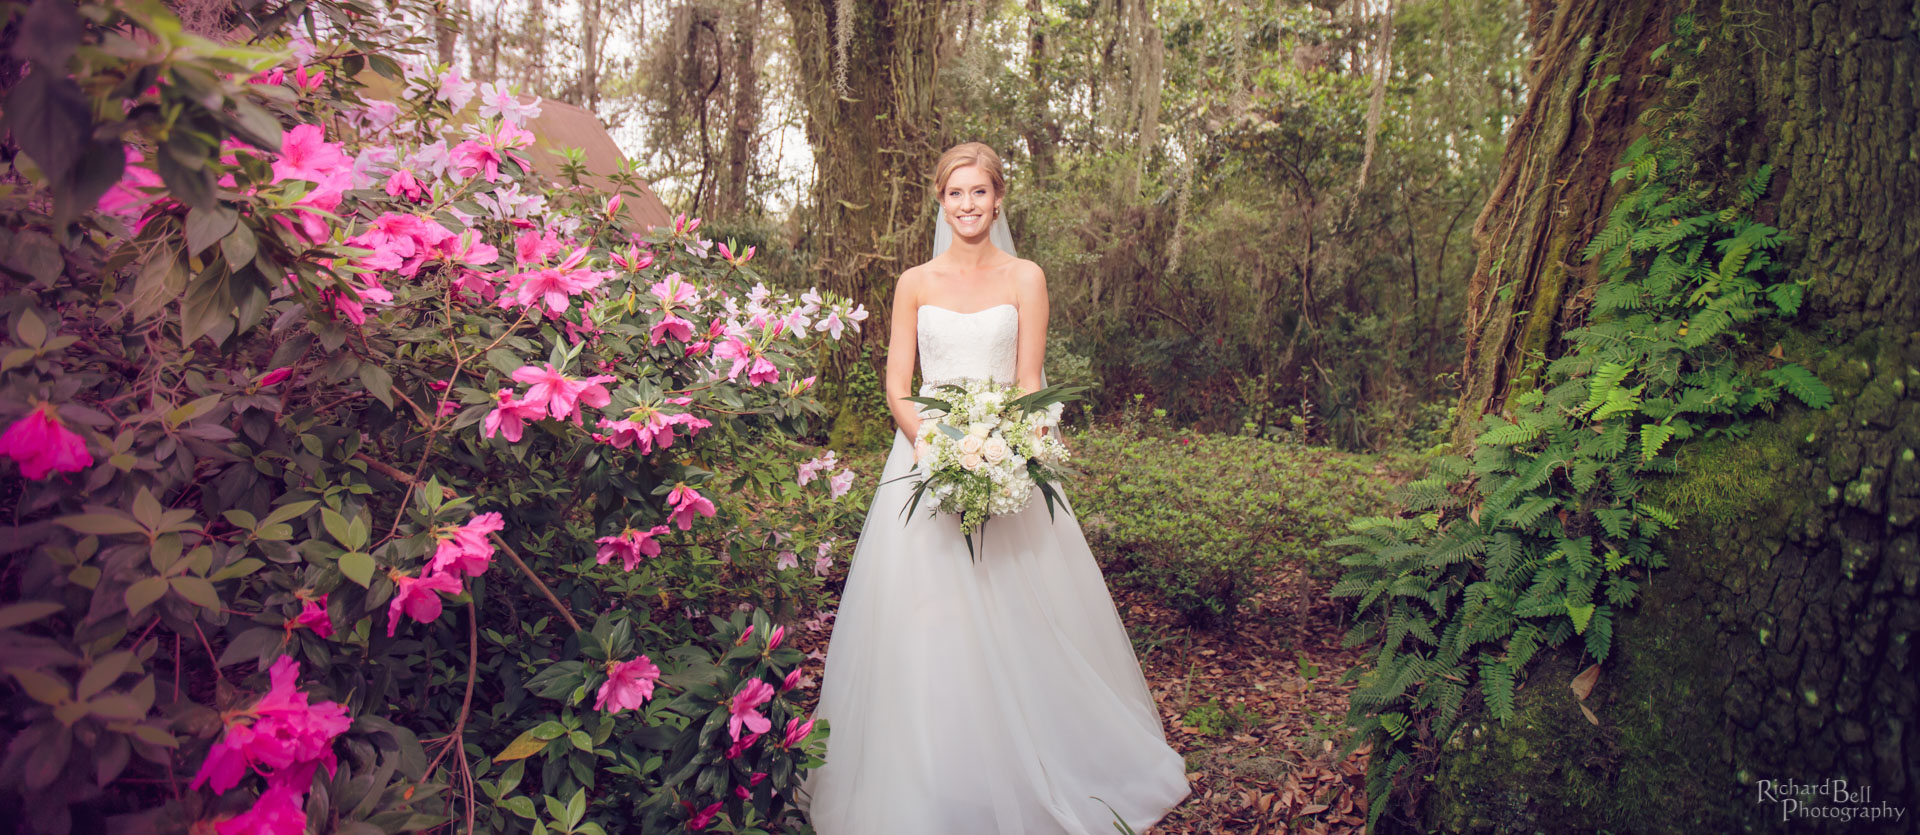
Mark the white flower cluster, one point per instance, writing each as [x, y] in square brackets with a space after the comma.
[977, 466]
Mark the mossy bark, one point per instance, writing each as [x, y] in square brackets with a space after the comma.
[873, 147]
[1779, 643]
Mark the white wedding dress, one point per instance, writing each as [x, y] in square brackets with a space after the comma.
[968, 698]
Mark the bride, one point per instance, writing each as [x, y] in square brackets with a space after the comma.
[1001, 696]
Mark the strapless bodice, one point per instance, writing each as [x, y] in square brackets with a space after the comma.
[955, 346]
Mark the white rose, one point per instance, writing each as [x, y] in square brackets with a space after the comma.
[995, 450]
[970, 445]
[970, 461]
[980, 429]
[921, 449]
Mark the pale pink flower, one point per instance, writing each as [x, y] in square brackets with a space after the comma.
[497, 100]
[842, 482]
[416, 596]
[510, 417]
[42, 444]
[831, 324]
[673, 290]
[812, 469]
[629, 684]
[456, 91]
[686, 502]
[744, 708]
[787, 559]
[562, 395]
[630, 545]
[671, 326]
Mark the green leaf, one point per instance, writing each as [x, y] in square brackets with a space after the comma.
[239, 568]
[44, 688]
[522, 747]
[520, 805]
[378, 381]
[101, 524]
[358, 567]
[21, 614]
[31, 331]
[198, 591]
[207, 227]
[142, 594]
[240, 246]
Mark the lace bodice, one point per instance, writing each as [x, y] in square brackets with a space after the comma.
[954, 345]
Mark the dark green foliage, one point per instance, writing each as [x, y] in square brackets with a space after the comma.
[1196, 518]
[1543, 533]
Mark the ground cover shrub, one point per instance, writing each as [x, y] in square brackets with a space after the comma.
[1196, 518]
[361, 481]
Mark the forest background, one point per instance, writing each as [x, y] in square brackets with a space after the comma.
[1251, 213]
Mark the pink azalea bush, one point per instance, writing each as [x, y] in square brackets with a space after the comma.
[321, 393]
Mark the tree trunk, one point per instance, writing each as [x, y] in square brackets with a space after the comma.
[731, 199]
[588, 87]
[1039, 130]
[874, 141]
[1779, 645]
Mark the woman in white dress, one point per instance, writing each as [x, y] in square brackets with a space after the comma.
[993, 696]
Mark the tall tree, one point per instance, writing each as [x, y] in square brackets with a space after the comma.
[1780, 644]
[866, 73]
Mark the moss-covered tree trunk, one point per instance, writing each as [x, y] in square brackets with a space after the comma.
[1779, 644]
[874, 140]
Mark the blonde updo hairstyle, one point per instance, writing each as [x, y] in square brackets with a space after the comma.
[969, 153]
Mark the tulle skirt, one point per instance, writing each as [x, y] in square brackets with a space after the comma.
[1001, 696]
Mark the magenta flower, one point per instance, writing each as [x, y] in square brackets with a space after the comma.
[686, 502]
[553, 287]
[613, 204]
[791, 681]
[699, 820]
[745, 708]
[417, 598]
[741, 745]
[400, 242]
[634, 260]
[128, 198]
[276, 376]
[561, 395]
[471, 157]
[305, 154]
[629, 684]
[467, 550]
[280, 810]
[470, 249]
[631, 546]
[797, 730]
[313, 615]
[534, 247]
[308, 80]
[510, 416]
[42, 444]
[280, 733]
[674, 326]
[773, 640]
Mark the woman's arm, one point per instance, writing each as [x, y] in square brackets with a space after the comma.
[1031, 290]
[901, 345]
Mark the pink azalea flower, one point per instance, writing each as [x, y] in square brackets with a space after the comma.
[401, 242]
[402, 183]
[276, 376]
[280, 810]
[42, 444]
[674, 326]
[795, 388]
[792, 680]
[313, 615]
[561, 395]
[831, 324]
[553, 286]
[812, 469]
[741, 745]
[686, 502]
[634, 260]
[788, 559]
[280, 732]
[308, 80]
[840, 484]
[629, 684]
[470, 158]
[822, 564]
[355, 308]
[699, 820]
[416, 596]
[773, 640]
[797, 730]
[510, 416]
[305, 154]
[745, 711]
[673, 291]
[533, 246]
[128, 199]
[467, 549]
[456, 91]
[631, 546]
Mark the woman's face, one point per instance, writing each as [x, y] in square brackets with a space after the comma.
[969, 201]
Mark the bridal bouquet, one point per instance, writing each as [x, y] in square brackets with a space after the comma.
[983, 447]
